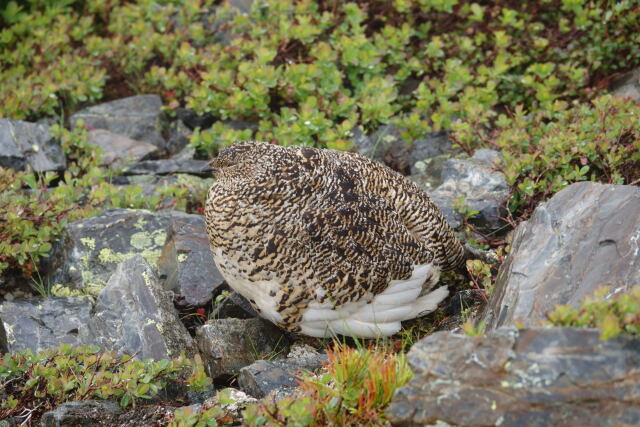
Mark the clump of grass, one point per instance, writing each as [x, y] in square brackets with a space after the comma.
[38, 382]
[354, 390]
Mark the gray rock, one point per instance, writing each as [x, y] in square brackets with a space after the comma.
[240, 124]
[25, 144]
[231, 400]
[179, 137]
[532, 377]
[427, 173]
[584, 237]
[4, 346]
[363, 145]
[226, 345]
[170, 166]
[42, 323]
[233, 306]
[83, 413]
[138, 117]
[395, 151]
[388, 146]
[186, 264]
[89, 250]
[483, 188]
[193, 120]
[199, 397]
[219, 27]
[264, 377]
[187, 153]
[120, 150]
[134, 315]
[432, 145]
[627, 86]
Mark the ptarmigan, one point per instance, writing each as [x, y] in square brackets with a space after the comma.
[323, 242]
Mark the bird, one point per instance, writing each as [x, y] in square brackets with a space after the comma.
[324, 242]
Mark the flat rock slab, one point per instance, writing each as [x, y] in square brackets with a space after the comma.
[170, 166]
[25, 144]
[584, 237]
[226, 345]
[186, 263]
[82, 413]
[40, 323]
[267, 376]
[89, 250]
[134, 315]
[137, 117]
[120, 150]
[530, 377]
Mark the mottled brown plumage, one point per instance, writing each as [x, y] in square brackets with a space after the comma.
[325, 242]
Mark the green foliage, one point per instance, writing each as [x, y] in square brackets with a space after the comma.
[613, 316]
[308, 71]
[33, 212]
[543, 152]
[354, 390]
[37, 382]
[473, 330]
[208, 416]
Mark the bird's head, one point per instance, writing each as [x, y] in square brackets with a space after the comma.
[238, 159]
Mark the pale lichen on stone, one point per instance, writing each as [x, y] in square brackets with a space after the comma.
[89, 242]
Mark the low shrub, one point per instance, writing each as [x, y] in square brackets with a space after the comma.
[38, 382]
[355, 388]
[613, 316]
[33, 212]
[545, 151]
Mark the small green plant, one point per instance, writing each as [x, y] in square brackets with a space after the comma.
[209, 416]
[472, 330]
[613, 316]
[354, 390]
[37, 382]
[481, 278]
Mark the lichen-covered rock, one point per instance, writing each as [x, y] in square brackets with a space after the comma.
[226, 345]
[134, 315]
[137, 117]
[584, 237]
[186, 265]
[41, 323]
[231, 401]
[82, 413]
[119, 150]
[482, 186]
[89, 250]
[263, 377]
[25, 144]
[170, 166]
[555, 376]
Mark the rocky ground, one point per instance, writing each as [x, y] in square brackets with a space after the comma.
[145, 275]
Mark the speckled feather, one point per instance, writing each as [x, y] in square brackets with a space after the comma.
[296, 227]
